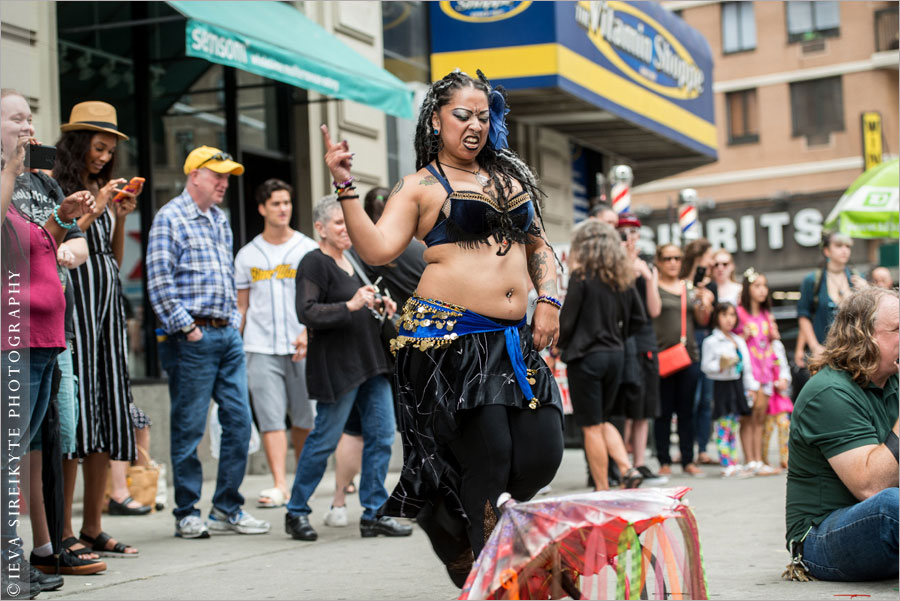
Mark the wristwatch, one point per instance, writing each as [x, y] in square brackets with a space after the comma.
[188, 329]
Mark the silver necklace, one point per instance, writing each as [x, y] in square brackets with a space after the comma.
[482, 180]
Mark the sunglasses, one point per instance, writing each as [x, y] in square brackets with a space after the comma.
[721, 264]
[219, 156]
[671, 258]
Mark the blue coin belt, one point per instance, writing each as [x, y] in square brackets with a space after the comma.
[431, 324]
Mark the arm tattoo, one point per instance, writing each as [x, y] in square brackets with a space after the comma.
[396, 189]
[542, 271]
[428, 180]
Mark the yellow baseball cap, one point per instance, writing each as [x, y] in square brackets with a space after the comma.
[213, 159]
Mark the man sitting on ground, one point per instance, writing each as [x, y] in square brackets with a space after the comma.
[842, 495]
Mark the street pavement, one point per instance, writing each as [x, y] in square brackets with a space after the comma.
[741, 527]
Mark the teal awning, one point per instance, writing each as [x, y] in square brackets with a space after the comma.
[277, 41]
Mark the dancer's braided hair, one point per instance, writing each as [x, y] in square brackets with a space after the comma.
[502, 166]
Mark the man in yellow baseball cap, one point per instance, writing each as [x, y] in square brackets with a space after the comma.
[190, 280]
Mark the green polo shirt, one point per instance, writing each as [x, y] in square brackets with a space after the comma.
[833, 414]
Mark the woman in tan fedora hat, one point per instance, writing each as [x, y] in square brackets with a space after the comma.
[85, 159]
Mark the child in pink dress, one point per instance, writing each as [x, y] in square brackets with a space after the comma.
[780, 405]
[757, 327]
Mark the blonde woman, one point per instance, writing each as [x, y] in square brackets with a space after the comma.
[602, 308]
[727, 288]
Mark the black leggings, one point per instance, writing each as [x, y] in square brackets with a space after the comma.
[504, 449]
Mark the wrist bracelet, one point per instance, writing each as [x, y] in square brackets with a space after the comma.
[343, 185]
[545, 298]
[347, 197]
[893, 445]
[62, 224]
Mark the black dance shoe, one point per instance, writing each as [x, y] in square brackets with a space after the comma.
[383, 525]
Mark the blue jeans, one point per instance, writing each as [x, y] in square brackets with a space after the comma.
[67, 402]
[857, 542]
[25, 402]
[702, 400]
[376, 411]
[213, 367]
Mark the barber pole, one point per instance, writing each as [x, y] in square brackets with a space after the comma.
[687, 219]
[621, 177]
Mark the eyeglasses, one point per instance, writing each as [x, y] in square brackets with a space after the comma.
[721, 264]
[219, 156]
[671, 258]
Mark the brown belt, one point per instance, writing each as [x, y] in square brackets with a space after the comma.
[214, 322]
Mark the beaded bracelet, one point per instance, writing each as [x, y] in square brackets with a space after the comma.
[545, 298]
[338, 191]
[343, 185]
[347, 197]
[65, 226]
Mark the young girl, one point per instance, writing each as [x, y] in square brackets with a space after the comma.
[757, 327]
[726, 362]
[779, 406]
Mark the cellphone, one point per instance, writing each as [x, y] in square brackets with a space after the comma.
[38, 156]
[699, 275]
[623, 235]
[131, 186]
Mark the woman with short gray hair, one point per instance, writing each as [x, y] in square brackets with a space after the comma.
[346, 368]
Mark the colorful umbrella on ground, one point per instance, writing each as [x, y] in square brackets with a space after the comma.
[870, 208]
[629, 544]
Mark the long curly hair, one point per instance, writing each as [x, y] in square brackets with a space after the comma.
[851, 345]
[597, 252]
[71, 162]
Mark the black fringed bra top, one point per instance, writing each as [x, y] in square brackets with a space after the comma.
[471, 218]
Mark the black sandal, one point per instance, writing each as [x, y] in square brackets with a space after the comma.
[70, 542]
[633, 478]
[98, 546]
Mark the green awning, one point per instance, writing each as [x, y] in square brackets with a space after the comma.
[277, 41]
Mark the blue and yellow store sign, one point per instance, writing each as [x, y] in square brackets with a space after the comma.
[632, 64]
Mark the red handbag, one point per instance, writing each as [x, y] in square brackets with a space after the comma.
[675, 358]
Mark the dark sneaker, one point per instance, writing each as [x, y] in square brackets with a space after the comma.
[45, 582]
[299, 528]
[383, 525]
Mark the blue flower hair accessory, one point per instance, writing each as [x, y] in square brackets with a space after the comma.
[499, 131]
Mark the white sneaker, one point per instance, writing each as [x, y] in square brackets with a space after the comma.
[191, 526]
[336, 517]
[241, 522]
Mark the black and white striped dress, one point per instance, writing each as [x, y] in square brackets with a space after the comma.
[105, 422]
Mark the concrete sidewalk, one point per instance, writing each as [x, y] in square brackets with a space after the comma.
[741, 527]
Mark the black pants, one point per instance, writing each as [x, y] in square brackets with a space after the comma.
[676, 395]
[504, 449]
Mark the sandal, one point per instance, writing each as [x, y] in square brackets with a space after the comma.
[98, 545]
[68, 564]
[271, 498]
[81, 553]
[633, 478]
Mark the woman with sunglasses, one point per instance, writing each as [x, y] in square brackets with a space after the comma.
[727, 289]
[676, 391]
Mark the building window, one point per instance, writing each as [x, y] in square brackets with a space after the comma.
[738, 27]
[811, 20]
[817, 109]
[743, 119]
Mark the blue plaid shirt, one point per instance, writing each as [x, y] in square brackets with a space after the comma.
[190, 269]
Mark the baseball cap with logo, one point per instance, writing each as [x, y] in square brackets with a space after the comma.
[212, 159]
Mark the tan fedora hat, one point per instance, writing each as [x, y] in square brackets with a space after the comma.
[93, 115]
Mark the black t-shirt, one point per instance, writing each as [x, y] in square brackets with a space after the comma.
[345, 347]
[595, 317]
[644, 337]
[35, 196]
[400, 276]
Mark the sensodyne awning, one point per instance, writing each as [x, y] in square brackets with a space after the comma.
[277, 41]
